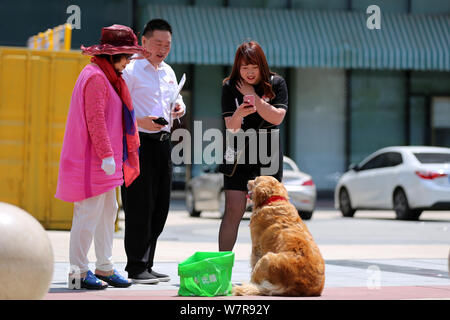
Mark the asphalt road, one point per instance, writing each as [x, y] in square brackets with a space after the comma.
[327, 226]
[369, 234]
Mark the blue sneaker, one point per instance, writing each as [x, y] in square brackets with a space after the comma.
[89, 282]
[115, 280]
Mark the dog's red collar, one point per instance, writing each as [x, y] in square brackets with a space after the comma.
[273, 199]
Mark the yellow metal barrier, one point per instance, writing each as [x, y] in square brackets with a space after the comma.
[35, 91]
[58, 38]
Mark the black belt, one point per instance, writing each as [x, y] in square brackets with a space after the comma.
[161, 136]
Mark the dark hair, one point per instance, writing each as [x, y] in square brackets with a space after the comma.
[250, 52]
[156, 24]
[115, 57]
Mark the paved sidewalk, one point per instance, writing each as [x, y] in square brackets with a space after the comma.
[353, 272]
[345, 279]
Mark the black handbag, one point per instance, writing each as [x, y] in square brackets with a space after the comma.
[232, 156]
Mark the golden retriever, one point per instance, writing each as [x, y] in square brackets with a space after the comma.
[285, 259]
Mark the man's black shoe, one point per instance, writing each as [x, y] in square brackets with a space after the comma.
[160, 276]
[144, 277]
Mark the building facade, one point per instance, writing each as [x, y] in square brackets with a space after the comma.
[352, 89]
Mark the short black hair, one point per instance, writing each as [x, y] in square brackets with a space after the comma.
[156, 24]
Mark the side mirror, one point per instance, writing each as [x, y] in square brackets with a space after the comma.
[353, 167]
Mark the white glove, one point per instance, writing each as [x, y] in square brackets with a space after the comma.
[109, 165]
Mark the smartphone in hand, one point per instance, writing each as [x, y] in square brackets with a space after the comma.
[161, 121]
[249, 99]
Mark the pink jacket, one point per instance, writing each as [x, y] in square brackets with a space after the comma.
[93, 132]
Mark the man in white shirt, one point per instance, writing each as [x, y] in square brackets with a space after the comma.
[152, 84]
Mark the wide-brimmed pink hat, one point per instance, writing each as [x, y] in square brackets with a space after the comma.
[115, 39]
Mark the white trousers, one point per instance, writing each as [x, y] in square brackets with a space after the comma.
[93, 218]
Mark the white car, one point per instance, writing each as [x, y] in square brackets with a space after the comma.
[205, 192]
[300, 187]
[407, 179]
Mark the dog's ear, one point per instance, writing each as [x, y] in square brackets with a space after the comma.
[250, 184]
[261, 193]
[265, 187]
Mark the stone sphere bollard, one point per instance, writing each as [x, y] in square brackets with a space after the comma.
[26, 255]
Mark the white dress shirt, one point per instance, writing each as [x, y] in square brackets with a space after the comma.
[152, 90]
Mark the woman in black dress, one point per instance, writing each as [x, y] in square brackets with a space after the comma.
[250, 76]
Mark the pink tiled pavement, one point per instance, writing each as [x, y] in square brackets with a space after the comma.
[347, 293]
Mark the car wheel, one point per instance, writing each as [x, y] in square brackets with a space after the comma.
[190, 204]
[402, 209]
[222, 203]
[345, 204]
[305, 215]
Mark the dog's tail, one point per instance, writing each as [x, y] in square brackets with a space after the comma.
[253, 289]
[285, 274]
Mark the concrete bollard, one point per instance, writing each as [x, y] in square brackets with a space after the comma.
[26, 255]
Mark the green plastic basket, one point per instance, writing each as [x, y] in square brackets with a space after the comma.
[206, 274]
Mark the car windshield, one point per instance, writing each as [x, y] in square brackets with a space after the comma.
[433, 157]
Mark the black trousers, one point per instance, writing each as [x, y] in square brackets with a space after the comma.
[146, 203]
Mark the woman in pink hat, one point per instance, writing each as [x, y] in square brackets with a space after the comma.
[100, 152]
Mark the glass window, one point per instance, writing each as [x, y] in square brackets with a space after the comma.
[433, 157]
[248, 3]
[430, 6]
[388, 159]
[398, 6]
[287, 166]
[430, 82]
[441, 121]
[317, 123]
[320, 4]
[393, 159]
[418, 121]
[375, 163]
[377, 111]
